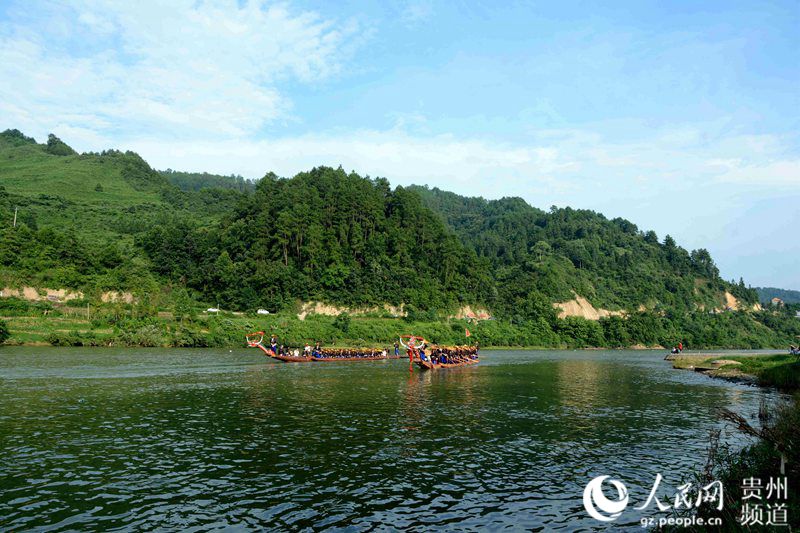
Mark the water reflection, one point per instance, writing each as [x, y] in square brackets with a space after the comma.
[181, 439]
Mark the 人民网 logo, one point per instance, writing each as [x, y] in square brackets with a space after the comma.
[686, 497]
[598, 506]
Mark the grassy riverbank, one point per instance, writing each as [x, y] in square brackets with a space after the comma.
[147, 322]
[774, 456]
[768, 369]
[116, 325]
[776, 452]
[74, 328]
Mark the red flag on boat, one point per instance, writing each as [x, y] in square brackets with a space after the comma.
[466, 332]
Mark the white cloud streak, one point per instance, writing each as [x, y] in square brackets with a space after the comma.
[182, 68]
[554, 166]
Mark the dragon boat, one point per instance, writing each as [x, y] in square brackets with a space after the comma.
[256, 340]
[430, 365]
[438, 357]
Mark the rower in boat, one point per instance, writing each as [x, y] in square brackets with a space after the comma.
[349, 354]
[446, 357]
[273, 344]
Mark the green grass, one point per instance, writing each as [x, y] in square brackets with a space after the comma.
[229, 330]
[761, 461]
[86, 221]
[103, 199]
[59, 191]
[775, 370]
[30, 171]
[786, 377]
[781, 370]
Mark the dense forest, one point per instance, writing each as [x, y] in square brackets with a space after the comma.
[107, 221]
[195, 181]
[325, 235]
[766, 294]
[565, 251]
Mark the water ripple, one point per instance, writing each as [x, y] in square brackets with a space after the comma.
[202, 440]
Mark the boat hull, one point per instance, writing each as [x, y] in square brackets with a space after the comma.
[307, 359]
[427, 365]
[292, 359]
[339, 359]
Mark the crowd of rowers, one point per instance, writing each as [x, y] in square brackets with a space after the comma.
[317, 352]
[441, 355]
[436, 354]
[348, 353]
[452, 354]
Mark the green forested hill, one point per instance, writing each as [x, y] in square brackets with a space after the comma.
[610, 262]
[77, 214]
[326, 235]
[766, 294]
[109, 222]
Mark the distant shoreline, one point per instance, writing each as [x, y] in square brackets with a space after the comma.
[499, 348]
[123, 326]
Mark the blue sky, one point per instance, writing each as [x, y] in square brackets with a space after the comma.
[680, 116]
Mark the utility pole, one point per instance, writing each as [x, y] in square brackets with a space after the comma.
[15, 216]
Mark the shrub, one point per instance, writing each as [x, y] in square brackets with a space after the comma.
[74, 338]
[342, 322]
[56, 146]
[146, 332]
[184, 337]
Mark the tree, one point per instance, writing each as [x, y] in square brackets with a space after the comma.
[541, 249]
[4, 333]
[56, 146]
[342, 322]
[577, 253]
[183, 308]
[29, 219]
[704, 264]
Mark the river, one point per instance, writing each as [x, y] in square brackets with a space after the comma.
[202, 439]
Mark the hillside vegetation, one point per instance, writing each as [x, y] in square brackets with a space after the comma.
[78, 215]
[98, 222]
[766, 294]
[322, 235]
[195, 181]
[565, 251]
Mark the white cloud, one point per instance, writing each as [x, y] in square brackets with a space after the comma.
[416, 11]
[436, 160]
[181, 68]
[779, 172]
[555, 164]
